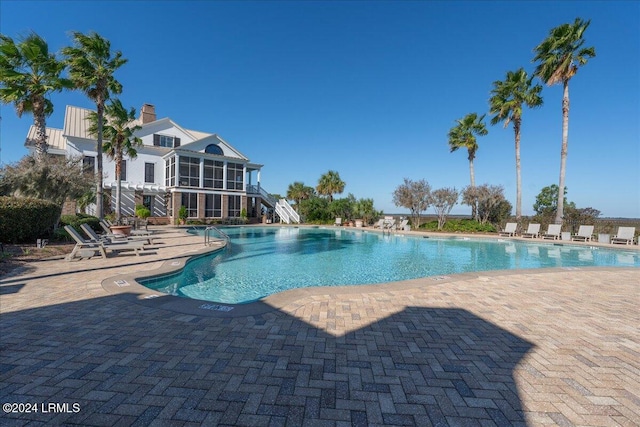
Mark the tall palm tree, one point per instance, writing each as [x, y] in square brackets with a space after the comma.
[91, 68]
[463, 135]
[28, 74]
[559, 56]
[298, 192]
[508, 97]
[120, 140]
[330, 184]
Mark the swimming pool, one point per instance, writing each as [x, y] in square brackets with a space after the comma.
[261, 261]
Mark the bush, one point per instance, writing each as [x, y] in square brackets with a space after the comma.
[78, 219]
[460, 226]
[24, 220]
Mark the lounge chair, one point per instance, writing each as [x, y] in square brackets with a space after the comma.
[379, 224]
[389, 223]
[89, 248]
[403, 224]
[509, 230]
[625, 235]
[585, 232]
[338, 222]
[113, 238]
[532, 231]
[553, 232]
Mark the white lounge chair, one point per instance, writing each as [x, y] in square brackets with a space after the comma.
[532, 231]
[585, 232]
[338, 222]
[89, 248]
[625, 235]
[509, 229]
[402, 224]
[553, 232]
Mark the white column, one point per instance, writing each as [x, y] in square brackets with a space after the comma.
[244, 178]
[224, 175]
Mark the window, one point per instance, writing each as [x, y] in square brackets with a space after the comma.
[123, 170]
[235, 171]
[89, 164]
[213, 206]
[190, 201]
[149, 172]
[213, 173]
[214, 149]
[234, 206]
[170, 172]
[166, 141]
[189, 172]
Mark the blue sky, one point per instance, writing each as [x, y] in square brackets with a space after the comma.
[369, 89]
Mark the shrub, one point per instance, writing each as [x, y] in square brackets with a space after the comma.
[26, 219]
[78, 219]
[460, 226]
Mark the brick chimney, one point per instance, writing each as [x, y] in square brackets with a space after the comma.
[148, 113]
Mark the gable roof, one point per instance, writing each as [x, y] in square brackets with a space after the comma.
[54, 138]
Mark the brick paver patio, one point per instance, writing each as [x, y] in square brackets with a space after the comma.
[553, 347]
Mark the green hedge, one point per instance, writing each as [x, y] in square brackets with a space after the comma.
[460, 226]
[78, 219]
[24, 220]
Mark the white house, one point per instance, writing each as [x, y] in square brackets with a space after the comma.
[174, 167]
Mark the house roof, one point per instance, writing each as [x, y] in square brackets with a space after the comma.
[76, 123]
[54, 138]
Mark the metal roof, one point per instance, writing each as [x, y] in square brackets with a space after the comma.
[54, 138]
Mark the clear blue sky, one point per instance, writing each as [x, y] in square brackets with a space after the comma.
[369, 89]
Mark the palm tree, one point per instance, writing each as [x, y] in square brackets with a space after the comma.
[558, 57]
[120, 140]
[28, 74]
[298, 192]
[463, 135]
[506, 105]
[330, 184]
[91, 68]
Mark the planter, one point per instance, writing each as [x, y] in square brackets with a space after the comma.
[604, 238]
[358, 223]
[566, 235]
[120, 230]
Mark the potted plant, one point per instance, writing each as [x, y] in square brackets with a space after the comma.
[243, 214]
[182, 215]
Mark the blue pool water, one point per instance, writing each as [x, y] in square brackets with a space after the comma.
[261, 261]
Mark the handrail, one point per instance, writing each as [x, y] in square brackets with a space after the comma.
[282, 213]
[207, 235]
[290, 211]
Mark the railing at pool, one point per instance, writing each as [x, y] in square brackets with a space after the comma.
[208, 238]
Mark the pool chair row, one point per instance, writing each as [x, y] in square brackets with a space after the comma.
[98, 245]
[625, 235]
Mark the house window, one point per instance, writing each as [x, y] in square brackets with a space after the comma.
[123, 170]
[166, 141]
[213, 206]
[213, 173]
[190, 201]
[234, 206]
[213, 149]
[149, 172]
[170, 172]
[89, 164]
[189, 171]
[235, 172]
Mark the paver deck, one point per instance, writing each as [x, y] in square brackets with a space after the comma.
[546, 347]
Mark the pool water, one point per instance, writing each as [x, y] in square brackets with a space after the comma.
[261, 261]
